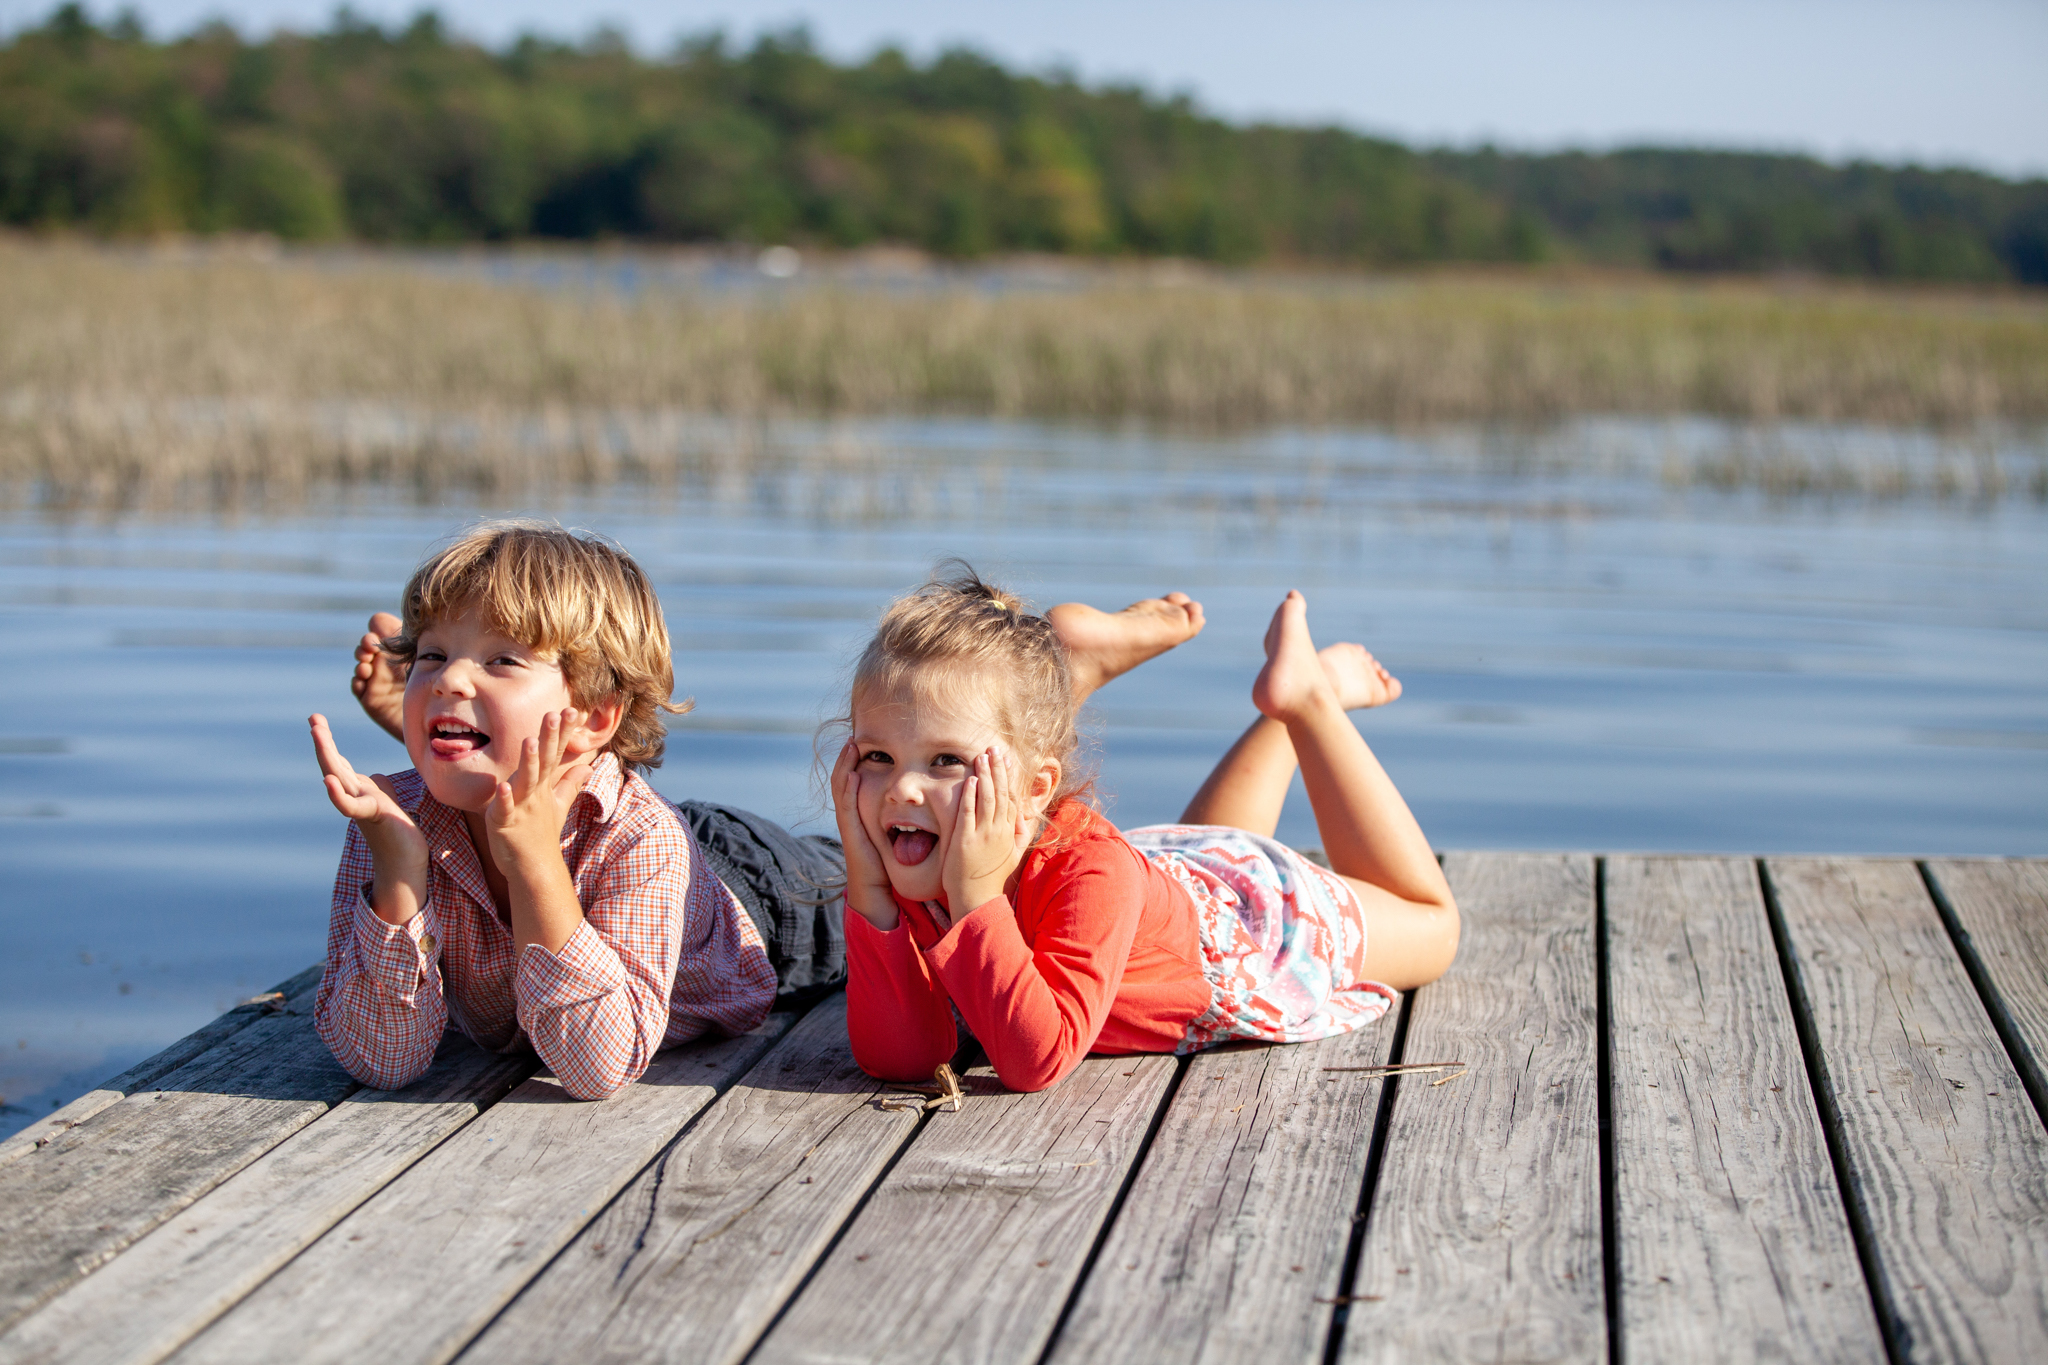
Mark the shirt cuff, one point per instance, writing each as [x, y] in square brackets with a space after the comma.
[397, 956]
[587, 968]
[988, 930]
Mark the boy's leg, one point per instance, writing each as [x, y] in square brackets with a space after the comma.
[376, 682]
[1106, 644]
[1368, 833]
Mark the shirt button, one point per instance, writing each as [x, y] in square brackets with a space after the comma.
[427, 944]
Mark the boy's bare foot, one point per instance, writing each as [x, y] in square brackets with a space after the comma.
[377, 683]
[1294, 683]
[1361, 680]
[1105, 644]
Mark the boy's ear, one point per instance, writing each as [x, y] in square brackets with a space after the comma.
[599, 724]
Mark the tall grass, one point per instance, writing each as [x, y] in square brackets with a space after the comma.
[124, 368]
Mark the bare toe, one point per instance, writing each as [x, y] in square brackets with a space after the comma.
[1360, 680]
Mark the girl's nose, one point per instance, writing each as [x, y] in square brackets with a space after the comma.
[905, 789]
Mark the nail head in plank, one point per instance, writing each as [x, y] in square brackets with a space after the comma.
[293, 992]
[1733, 1238]
[692, 1263]
[970, 1247]
[2002, 909]
[69, 1206]
[155, 1296]
[1947, 1163]
[1231, 1242]
[1484, 1241]
[420, 1269]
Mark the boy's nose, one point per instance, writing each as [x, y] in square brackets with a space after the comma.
[456, 678]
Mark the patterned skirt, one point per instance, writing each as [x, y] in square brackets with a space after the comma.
[1283, 940]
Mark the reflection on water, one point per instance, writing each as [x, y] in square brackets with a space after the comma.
[1597, 654]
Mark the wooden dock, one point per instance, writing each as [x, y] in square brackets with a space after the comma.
[1705, 1109]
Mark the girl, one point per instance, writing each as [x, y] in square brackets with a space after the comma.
[980, 884]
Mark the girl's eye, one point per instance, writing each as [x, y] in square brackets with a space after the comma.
[948, 761]
[434, 656]
[875, 756]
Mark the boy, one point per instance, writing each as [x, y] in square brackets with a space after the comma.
[523, 876]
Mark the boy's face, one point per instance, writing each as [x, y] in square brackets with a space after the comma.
[473, 699]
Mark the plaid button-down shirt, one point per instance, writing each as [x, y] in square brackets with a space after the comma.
[664, 953]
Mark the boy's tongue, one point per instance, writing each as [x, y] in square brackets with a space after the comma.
[457, 744]
[912, 847]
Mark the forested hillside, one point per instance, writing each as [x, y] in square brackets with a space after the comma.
[416, 135]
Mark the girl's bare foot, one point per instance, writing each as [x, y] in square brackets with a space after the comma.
[1361, 680]
[1294, 682]
[377, 683]
[1105, 644]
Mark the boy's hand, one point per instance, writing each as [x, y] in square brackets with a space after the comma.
[525, 818]
[524, 823]
[398, 851]
[867, 878]
[989, 838]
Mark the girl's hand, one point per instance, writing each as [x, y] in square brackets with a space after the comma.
[867, 878]
[524, 820]
[398, 851]
[989, 838]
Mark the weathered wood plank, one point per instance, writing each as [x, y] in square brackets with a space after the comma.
[2002, 910]
[1733, 1243]
[1483, 1241]
[297, 991]
[422, 1267]
[693, 1262]
[968, 1250]
[70, 1205]
[154, 1297]
[1232, 1239]
[1947, 1160]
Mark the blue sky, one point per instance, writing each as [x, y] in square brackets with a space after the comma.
[1943, 81]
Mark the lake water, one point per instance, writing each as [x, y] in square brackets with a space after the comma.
[1610, 639]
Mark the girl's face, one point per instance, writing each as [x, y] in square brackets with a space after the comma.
[913, 762]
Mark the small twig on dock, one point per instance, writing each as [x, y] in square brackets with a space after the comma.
[1404, 1068]
[946, 1095]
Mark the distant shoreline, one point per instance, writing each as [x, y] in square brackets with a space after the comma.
[240, 364]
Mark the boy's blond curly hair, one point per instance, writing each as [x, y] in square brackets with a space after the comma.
[572, 595]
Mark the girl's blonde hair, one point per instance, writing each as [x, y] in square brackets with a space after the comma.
[570, 594]
[960, 635]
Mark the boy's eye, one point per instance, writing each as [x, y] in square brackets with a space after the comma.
[429, 656]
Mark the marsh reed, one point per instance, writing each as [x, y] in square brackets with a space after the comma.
[120, 368]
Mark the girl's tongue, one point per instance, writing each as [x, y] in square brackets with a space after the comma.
[912, 846]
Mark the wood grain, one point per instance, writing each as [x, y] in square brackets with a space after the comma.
[969, 1249]
[156, 1295]
[1232, 1239]
[2002, 909]
[72, 1204]
[693, 1262]
[1734, 1244]
[297, 990]
[1946, 1157]
[1483, 1242]
[421, 1268]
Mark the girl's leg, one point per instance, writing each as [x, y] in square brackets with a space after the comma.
[1368, 833]
[378, 685]
[1105, 644]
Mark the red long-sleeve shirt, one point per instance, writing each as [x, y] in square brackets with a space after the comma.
[1100, 953]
